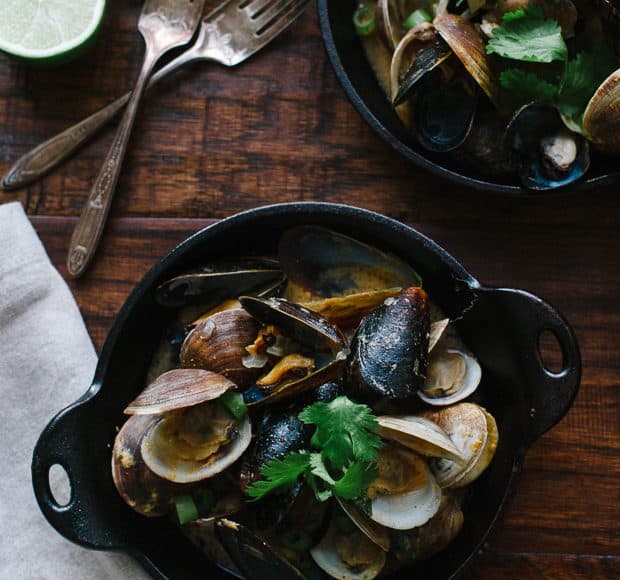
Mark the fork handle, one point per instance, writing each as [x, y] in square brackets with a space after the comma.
[51, 153]
[90, 225]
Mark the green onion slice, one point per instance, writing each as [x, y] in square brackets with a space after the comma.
[417, 17]
[364, 20]
[233, 401]
[186, 509]
[204, 499]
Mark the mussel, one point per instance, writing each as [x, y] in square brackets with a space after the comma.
[389, 352]
[252, 555]
[320, 341]
[278, 434]
[322, 263]
[547, 154]
[213, 283]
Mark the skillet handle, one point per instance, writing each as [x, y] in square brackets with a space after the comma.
[80, 519]
[549, 394]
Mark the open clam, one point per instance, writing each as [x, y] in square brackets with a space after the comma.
[601, 120]
[144, 491]
[405, 495]
[420, 435]
[195, 437]
[451, 376]
[348, 554]
[474, 431]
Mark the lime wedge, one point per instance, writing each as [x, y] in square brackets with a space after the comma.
[48, 30]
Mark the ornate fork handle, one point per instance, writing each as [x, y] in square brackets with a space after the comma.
[49, 154]
[92, 220]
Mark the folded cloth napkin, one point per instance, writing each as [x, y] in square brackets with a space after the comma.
[47, 360]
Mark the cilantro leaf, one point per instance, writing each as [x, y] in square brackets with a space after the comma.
[522, 87]
[356, 480]
[344, 431]
[279, 473]
[320, 494]
[526, 35]
[318, 468]
[583, 75]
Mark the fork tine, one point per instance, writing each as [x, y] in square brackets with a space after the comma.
[253, 7]
[281, 21]
[271, 13]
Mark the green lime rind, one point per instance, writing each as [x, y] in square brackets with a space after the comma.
[48, 30]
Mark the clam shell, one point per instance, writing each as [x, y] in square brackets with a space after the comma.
[404, 511]
[218, 344]
[373, 531]
[177, 389]
[458, 371]
[420, 435]
[601, 120]
[474, 431]
[326, 556]
[466, 42]
[139, 487]
[161, 457]
[436, 332]
[441, 529]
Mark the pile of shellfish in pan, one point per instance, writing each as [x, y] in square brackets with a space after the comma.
[331, 317]
[503, 111]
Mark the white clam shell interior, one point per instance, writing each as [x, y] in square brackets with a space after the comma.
[465, 385]
[161, 460]
[328, 559]
[404, 511]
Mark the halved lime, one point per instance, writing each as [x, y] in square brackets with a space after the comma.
[48, 30]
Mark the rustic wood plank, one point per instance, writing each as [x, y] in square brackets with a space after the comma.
[542, 567]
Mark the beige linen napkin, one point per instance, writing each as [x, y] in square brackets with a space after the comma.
[47, 360]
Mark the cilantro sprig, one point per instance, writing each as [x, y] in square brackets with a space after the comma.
[341, 461]
[526, 35]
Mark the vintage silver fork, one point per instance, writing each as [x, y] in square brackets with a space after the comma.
[229, 35]
[164, 25]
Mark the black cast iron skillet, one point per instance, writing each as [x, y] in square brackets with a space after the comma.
[502, 326]
[358, 80]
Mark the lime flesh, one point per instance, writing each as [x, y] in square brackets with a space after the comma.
[47, 30]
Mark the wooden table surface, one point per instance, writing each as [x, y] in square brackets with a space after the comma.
[212, 141]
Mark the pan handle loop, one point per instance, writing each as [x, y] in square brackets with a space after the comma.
[549, 394]
[57, 445]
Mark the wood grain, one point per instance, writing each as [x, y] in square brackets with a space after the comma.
[211, 141]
